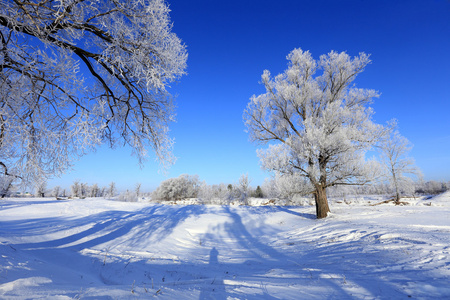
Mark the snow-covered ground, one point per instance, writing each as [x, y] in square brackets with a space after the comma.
[100, 249]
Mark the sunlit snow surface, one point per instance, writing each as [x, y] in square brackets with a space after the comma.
[100, 249]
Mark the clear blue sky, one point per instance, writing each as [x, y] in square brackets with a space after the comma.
[231, 42]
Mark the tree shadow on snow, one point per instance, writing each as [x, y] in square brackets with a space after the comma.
[300, 214]
[256, 270]
[154, 222]
[7, 203]
[63, 258]
[340, 270]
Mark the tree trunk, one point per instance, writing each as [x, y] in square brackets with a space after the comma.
[397, 193]
[320, 196]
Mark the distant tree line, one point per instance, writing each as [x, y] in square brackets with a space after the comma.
[280, 187]
[190, 186]
[419, 188]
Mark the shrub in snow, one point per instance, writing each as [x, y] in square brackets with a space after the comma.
[128, 196]
[206, 192]
[182, 187]
[216, 193]
[237, 193]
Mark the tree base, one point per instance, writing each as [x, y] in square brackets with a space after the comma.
[322, 208]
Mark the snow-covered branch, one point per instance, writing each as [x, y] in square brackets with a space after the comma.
[74, 74]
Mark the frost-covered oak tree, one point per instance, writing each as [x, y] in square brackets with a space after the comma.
[75, 74]
[317, 124]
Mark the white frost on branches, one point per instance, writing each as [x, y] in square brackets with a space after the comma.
[317, 123]
[183, 187]
[397, 165]
[74, 74]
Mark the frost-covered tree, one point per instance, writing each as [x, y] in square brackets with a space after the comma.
[75, 189]
[127, 196]
[137, 190]
[41, 187]
[206, 191]
[221, 191]
[244, 187]
[218, 191]
[102, 192]
[394, 150]
[56, 191]
[75, 74]
[183, 187]
[317, 124]
[84, 190]
[95, 191]
[111, 190]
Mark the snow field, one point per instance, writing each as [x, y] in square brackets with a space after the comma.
[100, 249]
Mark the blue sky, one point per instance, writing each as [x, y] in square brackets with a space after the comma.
[231, 42]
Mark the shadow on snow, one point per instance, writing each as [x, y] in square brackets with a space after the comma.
[340, 270]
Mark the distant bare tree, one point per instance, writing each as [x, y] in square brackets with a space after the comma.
[138, 190]
[56, 191]
[111, 189]
[102, 192]
[84, 190]
[244, 186]
[94, 190]
[75, 189]
[394, 151]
